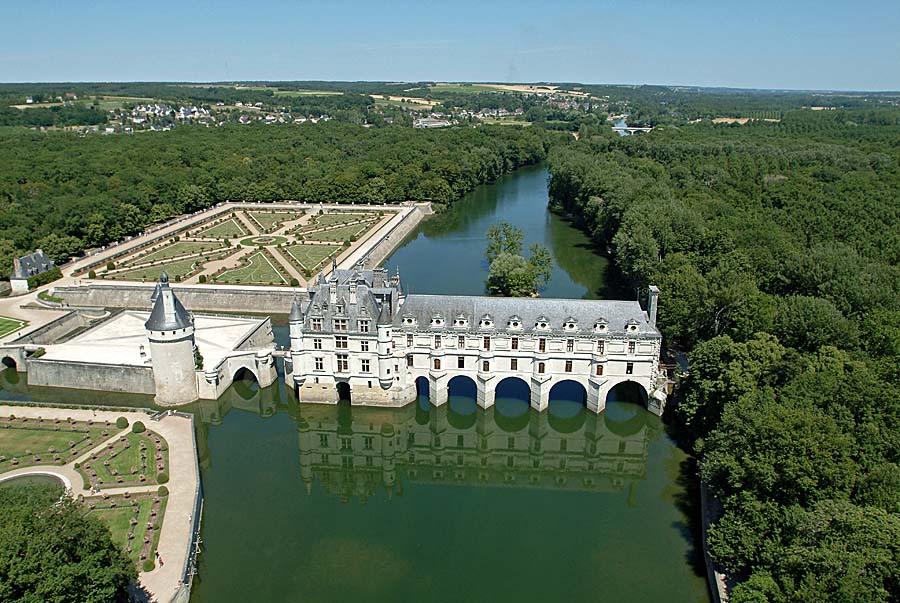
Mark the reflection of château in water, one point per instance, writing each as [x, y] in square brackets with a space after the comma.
[357, 451]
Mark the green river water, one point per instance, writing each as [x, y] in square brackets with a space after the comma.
[336, 503]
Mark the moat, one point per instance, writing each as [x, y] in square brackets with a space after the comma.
[340, 503]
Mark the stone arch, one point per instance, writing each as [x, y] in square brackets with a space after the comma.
[512, 404]
[344, 391]
[628, 391]
[423, 388]
[567, 406]
[9, 362]
[245, 383]
[462, 405]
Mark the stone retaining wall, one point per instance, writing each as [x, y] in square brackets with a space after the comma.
[86, 375]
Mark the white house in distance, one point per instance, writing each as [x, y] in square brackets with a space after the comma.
[356, 334]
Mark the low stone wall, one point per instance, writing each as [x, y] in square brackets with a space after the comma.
[197, 298]
[261, 337]
[92, 376]
[55, 329]
[391, 240]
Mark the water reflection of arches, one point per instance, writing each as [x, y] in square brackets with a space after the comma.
[350, 455]
[512, 404]
[567, 408]
[245, 383]
[628, 391]
[461, 409]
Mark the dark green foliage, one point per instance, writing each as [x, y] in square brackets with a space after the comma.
[163, 491]
[775, 247]
[121, 422]
[44, 277]
[162, 477]
[148, 565]
[138, 427]
[511, 274]
[98, 189]
[51, 551]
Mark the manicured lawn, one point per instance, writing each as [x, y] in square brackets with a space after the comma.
[269, 220]
[342, 218]
[264, 240]
[342, 233]
[118, 520]
[311, 256]
[260, 270]
[18, 438]
[228, 229]
[176, 249]
[175, 270]
[8, 325]
[125, 462]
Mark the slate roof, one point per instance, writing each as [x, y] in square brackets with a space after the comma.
[377, 298]
[527, 311]
[168, 314]
[31, 264]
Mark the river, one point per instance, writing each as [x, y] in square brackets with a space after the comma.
[332, 503]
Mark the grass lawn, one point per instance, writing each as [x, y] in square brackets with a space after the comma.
[260, 271]
[269, 220]
[17, 438]
[8, 325]
[311, 256]
[118, 520]
[126, 463]
[230, 228]
[175, 249]
[175, 270]
[341, 233]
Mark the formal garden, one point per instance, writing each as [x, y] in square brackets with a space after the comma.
[28, 441]
[280, 247]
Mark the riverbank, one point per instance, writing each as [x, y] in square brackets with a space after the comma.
[176, 533]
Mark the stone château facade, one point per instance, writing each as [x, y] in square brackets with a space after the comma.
[357, 334]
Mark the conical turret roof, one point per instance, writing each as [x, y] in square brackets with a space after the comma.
[168, 314]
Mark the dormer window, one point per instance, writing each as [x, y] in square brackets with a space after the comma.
[339, 309]
[461, 321]
[570, 324]
[542, 324]
[600, 326]
[514, 323]
[409, 321]
[487, 322]
[437, 320]
[631, 326]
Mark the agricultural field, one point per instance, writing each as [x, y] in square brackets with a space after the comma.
[259, 271]
[311, 257]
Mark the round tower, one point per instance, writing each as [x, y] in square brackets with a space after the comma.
[295, 322]
[170, 331]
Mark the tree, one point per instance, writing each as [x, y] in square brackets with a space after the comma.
[503, 237]
[541, 265]
[511, 276]
[60, 247]
[51, 551]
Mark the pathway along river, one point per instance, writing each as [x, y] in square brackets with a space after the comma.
[333, 503]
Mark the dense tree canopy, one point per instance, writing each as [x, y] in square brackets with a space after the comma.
[51, 552]
[71, 192]
[776, 249]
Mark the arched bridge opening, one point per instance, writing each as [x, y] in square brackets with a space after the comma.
[567, 408]
[626, 413]
[462, 401]
[512, 403]
[245, 383]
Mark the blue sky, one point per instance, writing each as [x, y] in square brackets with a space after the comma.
[763, 44]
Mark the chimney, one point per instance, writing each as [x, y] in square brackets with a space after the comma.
[652, 303]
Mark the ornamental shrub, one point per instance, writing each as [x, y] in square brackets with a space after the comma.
[162, 477]
[138, 427]
[121, 422]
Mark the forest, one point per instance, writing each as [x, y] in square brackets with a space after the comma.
[776, 249]
[65, 193]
